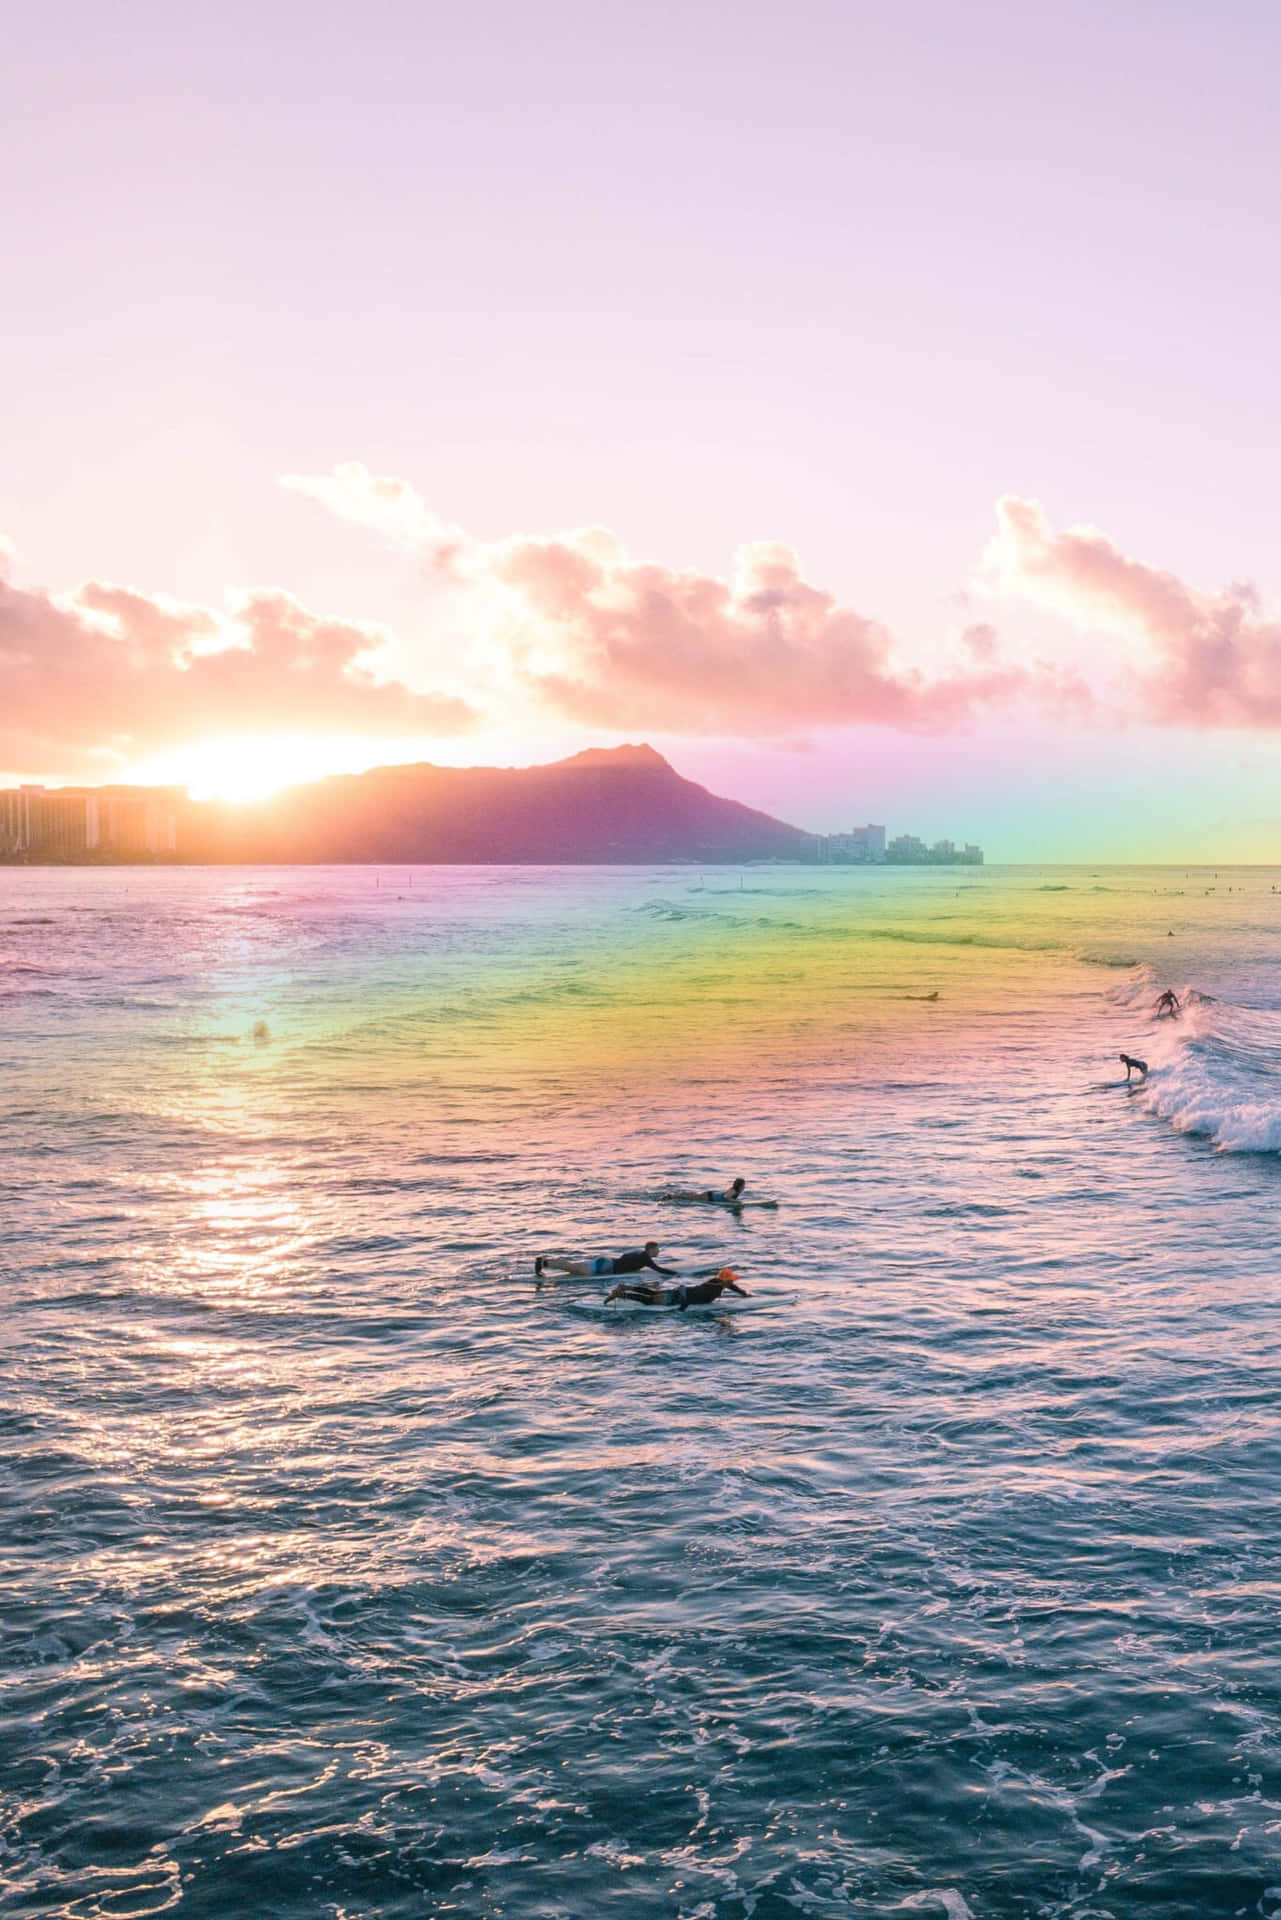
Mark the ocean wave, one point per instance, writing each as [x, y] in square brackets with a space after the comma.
[951, 937]
[964, 1209]
[1119, 962]
[1012, 941]
[667, 910]
[547, 994]
[1216, 1073]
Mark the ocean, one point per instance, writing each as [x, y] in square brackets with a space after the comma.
[345, 1573]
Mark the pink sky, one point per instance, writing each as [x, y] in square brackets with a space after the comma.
[781, 302]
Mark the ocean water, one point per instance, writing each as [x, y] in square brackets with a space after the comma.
[345, 1573]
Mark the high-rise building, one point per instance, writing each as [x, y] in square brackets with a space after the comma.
[137, 821]
[75, 823]
[61, 822]
[15, 821]
[860, 844]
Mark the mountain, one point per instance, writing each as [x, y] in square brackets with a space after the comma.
[609, 804]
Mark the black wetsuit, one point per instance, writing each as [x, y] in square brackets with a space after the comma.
[700, 1295]
[704, 1293]
[635, 1262]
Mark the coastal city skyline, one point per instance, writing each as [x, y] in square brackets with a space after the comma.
[115, 823]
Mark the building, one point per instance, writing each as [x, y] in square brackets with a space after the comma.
[135, 823]
[906, 850]
[62, 822]
[864, 845]
[84, 823]
[51, 823]
[859, 844]
[15, 821]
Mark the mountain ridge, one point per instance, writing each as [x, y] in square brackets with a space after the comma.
[600, 806]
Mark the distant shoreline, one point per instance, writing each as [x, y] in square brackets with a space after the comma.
[154, 862]
[606, 806]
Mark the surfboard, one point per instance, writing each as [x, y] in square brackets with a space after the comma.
[728, 1303]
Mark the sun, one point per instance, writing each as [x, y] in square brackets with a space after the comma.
[243, 768]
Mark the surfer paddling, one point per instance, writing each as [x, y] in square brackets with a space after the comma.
[634, 1261]
[726, 1197]
[1138, 1066]
[704, 1293]
[1167, 1005]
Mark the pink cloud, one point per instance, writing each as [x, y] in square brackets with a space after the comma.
[605, 641]
[113, 672]
[1218, 658]
[644, 646]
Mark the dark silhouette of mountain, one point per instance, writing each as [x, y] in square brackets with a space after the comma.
[609, 804]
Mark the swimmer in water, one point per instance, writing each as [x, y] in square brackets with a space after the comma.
[704, 1293]
[1139, 1066]
[726, 1197]
[1168, 1003]
[632, 1262]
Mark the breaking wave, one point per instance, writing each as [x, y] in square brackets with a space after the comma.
[1215, 1072]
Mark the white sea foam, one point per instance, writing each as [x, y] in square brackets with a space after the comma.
[952, 1903]
[1216, 1072]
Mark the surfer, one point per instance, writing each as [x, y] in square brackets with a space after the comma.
[726, 1197]
[704, 1293]
[633, 1261]
[1168, 1003]
[1139, 1066]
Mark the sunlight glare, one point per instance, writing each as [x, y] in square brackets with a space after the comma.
[246, 768]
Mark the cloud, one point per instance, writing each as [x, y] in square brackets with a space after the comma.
[609, 642]
[763, 653]
[1217, 658]
[390, 507]
[114, 672]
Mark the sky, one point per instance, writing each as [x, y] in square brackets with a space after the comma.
[871, 406]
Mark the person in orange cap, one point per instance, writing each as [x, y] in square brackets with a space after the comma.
[703, 1293]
